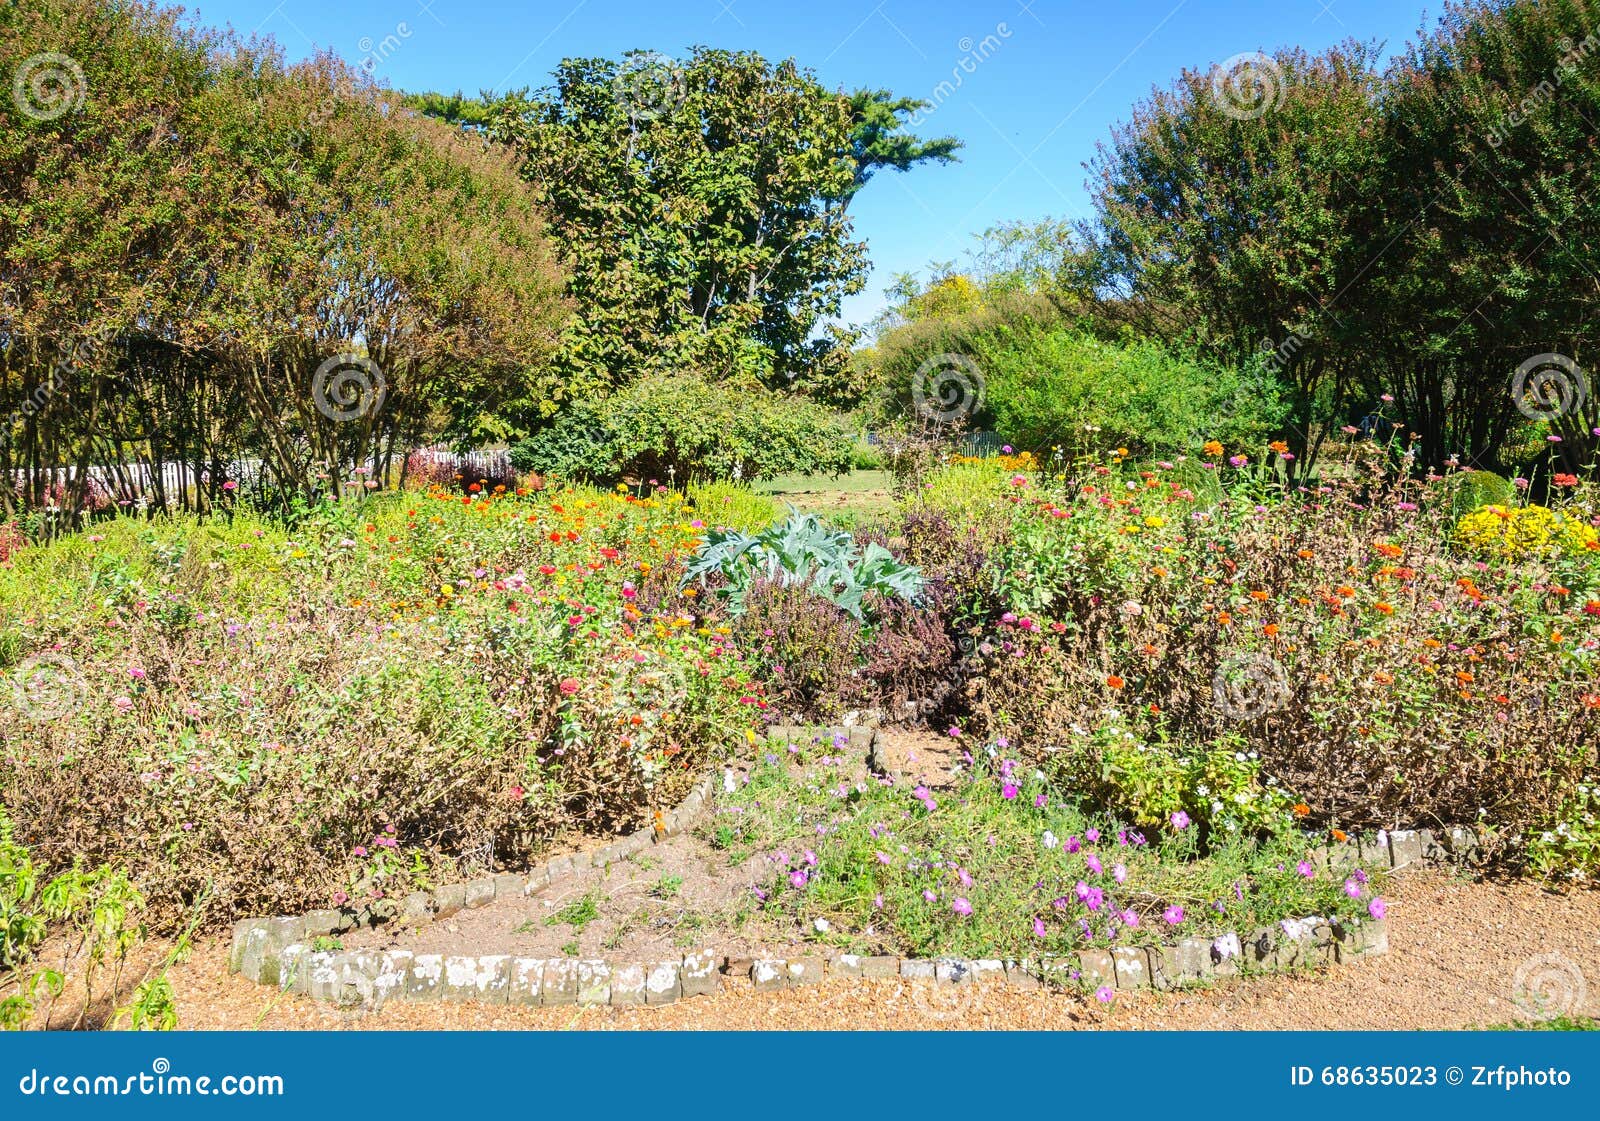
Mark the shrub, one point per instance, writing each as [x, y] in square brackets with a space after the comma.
[808, 650]
[1517, 533]
[1007, 864]
[803, 552]
[396, 691]
[733, 506]
[1335, 637]
[686, 429]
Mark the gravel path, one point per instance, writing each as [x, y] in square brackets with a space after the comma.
[1454, 947]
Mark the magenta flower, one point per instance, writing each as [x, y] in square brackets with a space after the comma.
[960, 906]
[885, 858]
[1120, 873]
[1103, 994]
[1038, 928]
[798, 877]
[1352, 889]
[1091, 835]
[1377, 908]
[1094, 864]
[929, 896]
[1180, 820]
[1040, 801]
[1008, 791]
[1073, 844]
[1130, 919]
[1173, 915]
[1305, 869]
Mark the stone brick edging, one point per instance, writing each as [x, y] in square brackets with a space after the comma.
[279, 951]
[371, 978]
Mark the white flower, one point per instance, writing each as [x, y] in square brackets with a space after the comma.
[820, 926]
[1049, 839]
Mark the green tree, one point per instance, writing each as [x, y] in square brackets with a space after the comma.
[878, 137]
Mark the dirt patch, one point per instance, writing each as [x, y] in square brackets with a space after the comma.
[676, 896]
[920, 758]
[1455, 946]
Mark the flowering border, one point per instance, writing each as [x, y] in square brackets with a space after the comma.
[275, 951]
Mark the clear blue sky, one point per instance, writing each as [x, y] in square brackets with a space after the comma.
[1063, 73]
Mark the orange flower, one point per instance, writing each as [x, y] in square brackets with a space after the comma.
[1340, 835]
[1383, 678]
[1279, 446]
[1212, 447]
[1385, 608]
[1115, 682]
[1306, 554]
[1259, 594]
[1301, 809]
[1271, 630]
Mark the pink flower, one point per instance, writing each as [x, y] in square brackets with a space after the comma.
[1377, 908]
[960, 906]
[1038, 928]
[1040, 801]
[1008, 791]
[1091, 835]
[885, 858]
[1352, 889]
[1180, 820]
[1120, 873]
[1103, 994]
[1094, 864]
[1305, 869]
[569, 686]
[1173, 915]
[124, 704]
[340, 899]
[929, 896]
[136, 673]
[360, 850]
[798, 877]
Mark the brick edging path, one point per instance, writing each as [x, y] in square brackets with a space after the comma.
[280, 951]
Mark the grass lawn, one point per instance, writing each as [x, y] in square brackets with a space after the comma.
[858, 495]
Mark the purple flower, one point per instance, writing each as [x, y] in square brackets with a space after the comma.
[1040, 801]
[1095, 900]
[1038, 928]
[1082, 890]
[1120, 873]
[1173, 915]
[1377, 908]
[1094, 864]
[885, 858]
[798, 877]
[1180, 820]
[929, 896]
[1305, 869]
[1008, 791]
[1103, 994]
[1352, 889]
[960, 906]
[1073, 844]
[1130, 918]
[1091, 835]
[811, 858]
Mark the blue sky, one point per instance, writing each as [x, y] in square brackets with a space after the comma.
[1058, 74]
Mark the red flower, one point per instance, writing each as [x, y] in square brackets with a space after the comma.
[569, 685]
[1565, 480]
[1592, 607]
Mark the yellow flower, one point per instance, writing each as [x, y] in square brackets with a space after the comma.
[1213, 447]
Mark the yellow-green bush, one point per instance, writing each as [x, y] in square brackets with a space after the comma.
[1529, 531]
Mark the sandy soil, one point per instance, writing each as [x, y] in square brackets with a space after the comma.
[1455, 947]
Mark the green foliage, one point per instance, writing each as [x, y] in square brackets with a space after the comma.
[684, 428]
[729, 505]
[700, 205]
[878, 138]
[803, 552]
[175, 301]
[1006, 863]
[96, 912]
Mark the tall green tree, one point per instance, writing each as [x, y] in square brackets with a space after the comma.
[879, 137]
